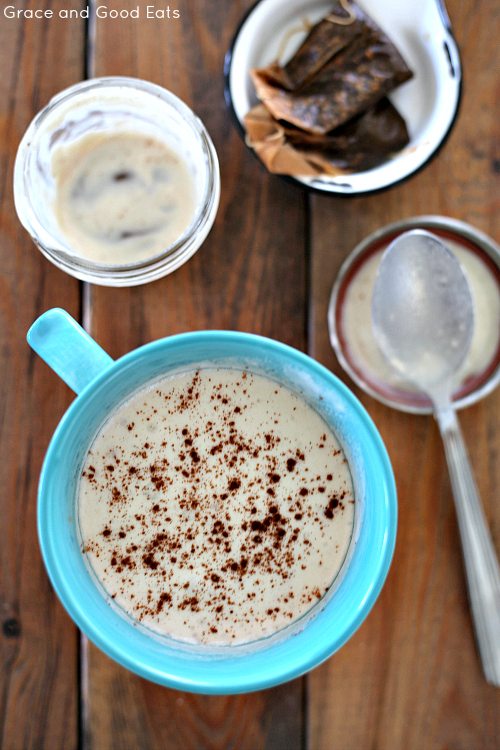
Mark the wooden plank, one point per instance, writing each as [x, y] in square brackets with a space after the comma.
[38, 642]
[230, 283]
[411, 677]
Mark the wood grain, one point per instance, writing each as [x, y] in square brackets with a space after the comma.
[259, 237]
[411, 676]
[38, 642]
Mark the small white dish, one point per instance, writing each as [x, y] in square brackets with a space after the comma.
[349, 315]
[428, 102]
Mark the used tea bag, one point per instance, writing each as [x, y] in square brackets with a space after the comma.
[269, 140]
[329, 101]
[326, 39]
[350, 82]
[359, 144]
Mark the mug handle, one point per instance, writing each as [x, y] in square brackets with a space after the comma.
[67, 348]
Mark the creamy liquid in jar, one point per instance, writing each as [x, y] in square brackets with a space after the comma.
[357, 318]
[215, 506]
[122, 197]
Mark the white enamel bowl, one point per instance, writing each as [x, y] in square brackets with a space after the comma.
[428, 102]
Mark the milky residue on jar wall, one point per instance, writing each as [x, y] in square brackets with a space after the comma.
[121, 198]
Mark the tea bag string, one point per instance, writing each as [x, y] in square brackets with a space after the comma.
[305, 26]
[342, 20]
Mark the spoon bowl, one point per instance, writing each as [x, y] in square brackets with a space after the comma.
[422, 310]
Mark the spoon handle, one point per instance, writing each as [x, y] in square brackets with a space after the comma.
[481, 564]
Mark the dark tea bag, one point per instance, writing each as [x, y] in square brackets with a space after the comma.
[327, 94]
[360, 144]
[343, 24]
[363, 142]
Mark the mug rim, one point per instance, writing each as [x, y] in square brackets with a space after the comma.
[228, 675]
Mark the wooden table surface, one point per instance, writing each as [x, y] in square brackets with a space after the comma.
[410, 677]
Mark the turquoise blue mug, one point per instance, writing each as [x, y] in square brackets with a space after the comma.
[101, 384]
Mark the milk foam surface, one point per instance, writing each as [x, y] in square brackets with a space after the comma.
[216, 506]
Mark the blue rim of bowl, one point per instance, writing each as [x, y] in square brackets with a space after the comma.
[301, 662]
[228, 59]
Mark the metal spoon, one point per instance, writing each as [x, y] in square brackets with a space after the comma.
[423, 320]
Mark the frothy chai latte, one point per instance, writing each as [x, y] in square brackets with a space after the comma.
[215, 506]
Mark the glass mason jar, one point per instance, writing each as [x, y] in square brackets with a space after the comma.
[108, 106]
